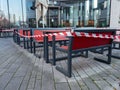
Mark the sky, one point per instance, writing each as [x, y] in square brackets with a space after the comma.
[14, 7]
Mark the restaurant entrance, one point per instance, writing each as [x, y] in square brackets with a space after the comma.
[53, 16]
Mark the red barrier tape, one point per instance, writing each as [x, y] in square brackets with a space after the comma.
[9, 30]
[50, 34]
[80, 34]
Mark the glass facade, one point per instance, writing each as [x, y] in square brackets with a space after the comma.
[84, 13]
[30, 14]
[53, 17]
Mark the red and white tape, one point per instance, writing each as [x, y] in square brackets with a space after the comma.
[80, 34]
[50, 34]
[7, 30]
[83, 34]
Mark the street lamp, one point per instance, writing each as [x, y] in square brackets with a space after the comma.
[8, 13]
[22, 12]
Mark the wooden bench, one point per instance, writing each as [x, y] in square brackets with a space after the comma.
[39, 39]
[116, 44]
[19, 36]
[78, 44]
[42, 40]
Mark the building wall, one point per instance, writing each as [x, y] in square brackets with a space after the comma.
[29, 12]
[78, 15]
[115, 13]
[88, 13]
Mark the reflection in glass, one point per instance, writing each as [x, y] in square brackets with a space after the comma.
[85, 13]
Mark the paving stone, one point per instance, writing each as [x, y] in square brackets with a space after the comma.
[2, 71]
[62, 86]
[82, 84]
[14, 84]
[90, 84]
[48, 78]
[37, 85]
[13, 69]
[104, 85]
[24, 85]
[74, 86]
[4, 80]
[31, 83]
[21, 71]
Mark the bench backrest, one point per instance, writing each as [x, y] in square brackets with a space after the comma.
[26, 32]
[87, 42]
[20, 32]
[38, 32]
[41, 32]
[59, 37]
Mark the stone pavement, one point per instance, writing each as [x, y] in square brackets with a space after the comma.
[20, 70]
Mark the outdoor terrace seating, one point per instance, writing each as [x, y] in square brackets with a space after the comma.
[40, 36]
[23, 35]
[38, 39]
[73, 45]
[78, 44]
[59, 40]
